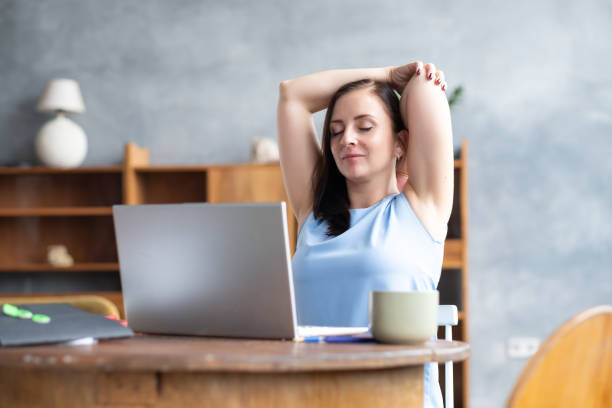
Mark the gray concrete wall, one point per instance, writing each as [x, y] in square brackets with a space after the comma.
[196, 81]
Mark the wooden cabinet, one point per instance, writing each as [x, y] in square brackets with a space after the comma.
[453, 285]
[228, 183]
[42, 206]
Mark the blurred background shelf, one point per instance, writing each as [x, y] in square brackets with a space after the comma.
[453, 285]
[54, 170]
[50, 212]
[77, 267]
[453, 253]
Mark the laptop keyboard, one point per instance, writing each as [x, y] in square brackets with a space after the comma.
[313, 331]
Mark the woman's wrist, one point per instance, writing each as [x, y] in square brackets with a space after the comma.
[316, 89]
[388, 71]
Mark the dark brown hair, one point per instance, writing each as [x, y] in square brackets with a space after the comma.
[331, 201]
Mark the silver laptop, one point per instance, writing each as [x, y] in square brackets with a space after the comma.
[210, 270]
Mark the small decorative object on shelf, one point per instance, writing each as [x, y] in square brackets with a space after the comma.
[61, 142]
[58, 256]
[264, 150]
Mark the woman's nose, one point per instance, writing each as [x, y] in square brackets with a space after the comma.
[348, 137]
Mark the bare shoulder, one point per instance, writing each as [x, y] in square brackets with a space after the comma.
[427, 213]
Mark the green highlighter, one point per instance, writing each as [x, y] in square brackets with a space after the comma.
[41, 318]
[14, 311]
[10, 310]
[24, 314]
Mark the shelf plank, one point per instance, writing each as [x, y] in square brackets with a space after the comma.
[4, 170]
[197, 167]
[171, 169]
[161, 168]
[453, 250]
[77, 267]
[57, 211]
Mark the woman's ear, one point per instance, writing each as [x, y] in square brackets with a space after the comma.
[402, 143]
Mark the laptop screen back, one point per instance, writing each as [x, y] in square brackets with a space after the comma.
[206, 269]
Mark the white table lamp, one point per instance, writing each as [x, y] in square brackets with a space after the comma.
[61, 142]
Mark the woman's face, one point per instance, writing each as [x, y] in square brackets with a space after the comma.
[362, 138]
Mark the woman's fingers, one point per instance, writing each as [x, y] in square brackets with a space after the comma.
[400, 75]
[407, 71]
[441, 80]
[438, 78]
[418, 67]
[430, 70]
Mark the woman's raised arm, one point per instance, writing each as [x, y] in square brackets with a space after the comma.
[298, 143]
[428, 162]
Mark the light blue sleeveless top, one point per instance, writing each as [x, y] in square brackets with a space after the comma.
[386, 248]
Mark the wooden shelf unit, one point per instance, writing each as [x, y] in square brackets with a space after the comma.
[77, 267]
[453, 285]
[59, 211]
[42, 206]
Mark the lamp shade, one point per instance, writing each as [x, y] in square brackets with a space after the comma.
[61, 95]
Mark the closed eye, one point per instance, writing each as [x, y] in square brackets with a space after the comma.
[364, 129]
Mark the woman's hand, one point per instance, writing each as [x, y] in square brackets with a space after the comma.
[399, 76]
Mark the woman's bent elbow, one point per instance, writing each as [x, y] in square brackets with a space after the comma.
[284, 90]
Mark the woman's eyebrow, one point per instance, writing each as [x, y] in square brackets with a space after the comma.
[356, 117]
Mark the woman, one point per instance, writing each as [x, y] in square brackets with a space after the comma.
[373, 202]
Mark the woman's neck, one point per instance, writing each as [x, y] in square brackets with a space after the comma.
[366, 194]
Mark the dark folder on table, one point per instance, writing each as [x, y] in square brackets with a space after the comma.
[67, 323]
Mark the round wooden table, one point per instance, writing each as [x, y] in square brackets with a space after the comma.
[174, 371]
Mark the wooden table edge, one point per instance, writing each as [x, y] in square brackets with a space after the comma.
[296, 357]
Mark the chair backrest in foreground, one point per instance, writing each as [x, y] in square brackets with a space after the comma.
[573, 367]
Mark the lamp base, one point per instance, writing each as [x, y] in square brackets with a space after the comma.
[61, 143]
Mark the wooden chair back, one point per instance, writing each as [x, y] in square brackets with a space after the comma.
[573, 367]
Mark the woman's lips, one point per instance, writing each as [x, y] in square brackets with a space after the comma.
[352, 156]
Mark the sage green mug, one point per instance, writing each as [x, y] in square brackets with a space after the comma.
[403, 317]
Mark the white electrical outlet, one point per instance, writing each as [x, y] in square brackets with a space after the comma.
[522, 347]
